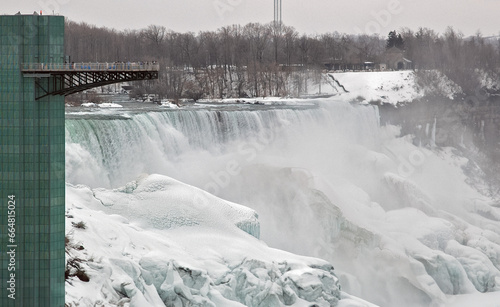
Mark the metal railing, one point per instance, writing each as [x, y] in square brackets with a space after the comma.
[114, 66]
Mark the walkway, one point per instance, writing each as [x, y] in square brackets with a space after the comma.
[69, 78]
[86, 67]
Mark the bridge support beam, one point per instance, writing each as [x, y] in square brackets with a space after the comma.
[66, 80]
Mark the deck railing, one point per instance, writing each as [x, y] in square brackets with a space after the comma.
[89, 66]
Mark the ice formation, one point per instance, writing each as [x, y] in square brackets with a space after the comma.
[158, 242]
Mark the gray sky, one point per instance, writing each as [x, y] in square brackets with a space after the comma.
[311, 16]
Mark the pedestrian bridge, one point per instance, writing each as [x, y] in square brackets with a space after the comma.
[69, 78]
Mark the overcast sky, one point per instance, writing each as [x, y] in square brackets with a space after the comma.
[310, 16]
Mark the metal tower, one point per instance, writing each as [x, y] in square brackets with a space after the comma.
[277, 12]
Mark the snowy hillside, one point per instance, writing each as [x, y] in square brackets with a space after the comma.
[385, 87]
[380, 87]
[158, 242]
[391, 87]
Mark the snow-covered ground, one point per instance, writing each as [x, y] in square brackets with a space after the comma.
[101, 105]
[384, 87]
[392, 87]
[109, 105]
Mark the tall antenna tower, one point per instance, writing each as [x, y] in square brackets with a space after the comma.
[277, 12]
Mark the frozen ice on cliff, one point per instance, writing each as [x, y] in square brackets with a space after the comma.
[158, 242]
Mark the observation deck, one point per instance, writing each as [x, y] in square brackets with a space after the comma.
[69, 78]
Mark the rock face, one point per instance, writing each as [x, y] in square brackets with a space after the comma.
[464, 115]
[470, 124]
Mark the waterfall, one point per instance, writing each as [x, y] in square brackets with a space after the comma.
[109, 152]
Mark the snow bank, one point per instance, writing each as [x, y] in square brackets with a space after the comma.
[109, 105]
[159, 242]
[159, 202]
[392, 87]
[168, 104]
[268, 101]
[384, 87]
[101, 105]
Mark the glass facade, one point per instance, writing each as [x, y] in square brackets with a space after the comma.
[31, 165]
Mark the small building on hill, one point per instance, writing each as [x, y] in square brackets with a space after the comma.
[394, 59]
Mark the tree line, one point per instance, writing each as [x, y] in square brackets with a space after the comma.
[269, 59]
[458, 57]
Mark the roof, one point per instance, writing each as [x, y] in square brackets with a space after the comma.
[394, 50]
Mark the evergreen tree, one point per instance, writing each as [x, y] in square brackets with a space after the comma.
[395, 40]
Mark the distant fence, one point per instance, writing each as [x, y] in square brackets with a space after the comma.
[112, 66]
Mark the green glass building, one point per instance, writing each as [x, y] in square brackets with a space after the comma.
[32, 160]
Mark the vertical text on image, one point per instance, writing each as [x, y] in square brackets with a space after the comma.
[11, 246]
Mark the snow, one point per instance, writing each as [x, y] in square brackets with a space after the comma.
[157, 241]
[386, 87]
[109, 105]
[268, 101]
[168, 104]
[101, 105]
[144, 201]
[89, 105]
